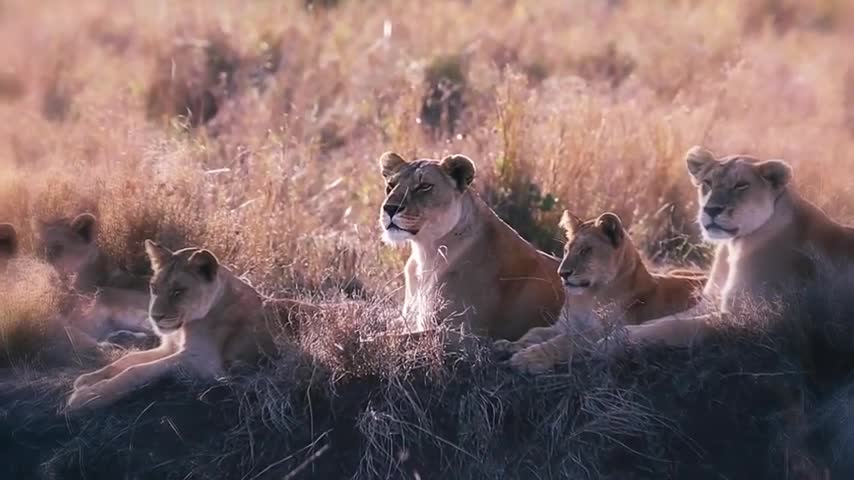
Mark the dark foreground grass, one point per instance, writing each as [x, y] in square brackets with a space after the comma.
[749, 402]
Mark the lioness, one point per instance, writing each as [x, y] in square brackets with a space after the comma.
[604, 274]
[106, 305]
[466, 267]
[769, 238]
[207, 320]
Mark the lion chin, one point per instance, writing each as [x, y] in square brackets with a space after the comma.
[397, 236]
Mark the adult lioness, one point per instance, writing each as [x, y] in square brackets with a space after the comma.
[207, 320]
[466, 266]
[769, 238]
[106, 304]
[604, 275]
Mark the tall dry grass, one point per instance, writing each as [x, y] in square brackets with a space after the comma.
[253, 128]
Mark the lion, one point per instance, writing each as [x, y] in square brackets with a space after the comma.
[467, 268]
[207, 319]
[769, 239]
[604, 276]
[106, 303]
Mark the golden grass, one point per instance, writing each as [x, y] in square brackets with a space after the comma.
[253, 129]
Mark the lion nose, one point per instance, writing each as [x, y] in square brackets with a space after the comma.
[392, 210]
[566, 274]
[713, 211]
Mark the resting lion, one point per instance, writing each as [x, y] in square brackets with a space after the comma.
[105, 303]
[207, 320]
[769, 238]
[467, 267]
[604, 276]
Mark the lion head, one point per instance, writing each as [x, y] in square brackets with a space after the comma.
[8, 241]
[592, 255]
[69, 244]
[423, 196]
[184, 287]
[737, 193]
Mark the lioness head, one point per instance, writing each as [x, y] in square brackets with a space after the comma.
[69, 244]
[422, 196]
[184, 287]
[8, 241]
[591, 257]
[737, 193]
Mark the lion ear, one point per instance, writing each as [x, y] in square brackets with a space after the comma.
[390, 163]
[460, 168]
[157, 254]
[569, 222]
[776, 172]
[85, 226]
[8, 240]
[205, 264]
[611, 226]
[698, 159]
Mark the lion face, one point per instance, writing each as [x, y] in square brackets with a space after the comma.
[8, 242]
[184, 287]
[591, 258]
[737, 194]
[69, 245]
[422, 196]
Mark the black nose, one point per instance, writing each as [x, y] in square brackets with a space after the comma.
[391, 210]
[566, 274]
[713, 211]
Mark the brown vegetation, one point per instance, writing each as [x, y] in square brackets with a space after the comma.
[253, 128]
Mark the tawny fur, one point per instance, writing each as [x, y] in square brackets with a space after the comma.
[771, 245]
[606, 279]
[467, 267]
[216, 321]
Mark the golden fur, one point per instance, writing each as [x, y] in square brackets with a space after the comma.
[467, 267]
[207, 320]
[604, 275]
[105, 304]
[769, 238]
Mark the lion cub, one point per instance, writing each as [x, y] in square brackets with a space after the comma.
[207, 320]
[106, 304]
[604, 276]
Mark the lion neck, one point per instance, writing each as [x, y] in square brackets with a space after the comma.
[433, 252]
[779, 224]
[632, 284]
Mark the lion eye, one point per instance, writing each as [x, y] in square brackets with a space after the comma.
[177, 292]
[707, 184]
[584, 251]
[742, 186]
[388, 188]
[424, 187]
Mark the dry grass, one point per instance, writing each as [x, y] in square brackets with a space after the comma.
[253, 129]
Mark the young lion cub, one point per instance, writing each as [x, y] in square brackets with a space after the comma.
[207, 320]
[604, 275]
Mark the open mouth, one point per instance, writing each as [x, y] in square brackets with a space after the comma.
[393, 227]
[715, 227]
[577, 284]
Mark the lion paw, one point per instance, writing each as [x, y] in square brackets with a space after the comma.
[84, 398]
[88, 379]
[505, 346]
[530, 362]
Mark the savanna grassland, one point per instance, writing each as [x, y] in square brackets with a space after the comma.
[254, 128]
